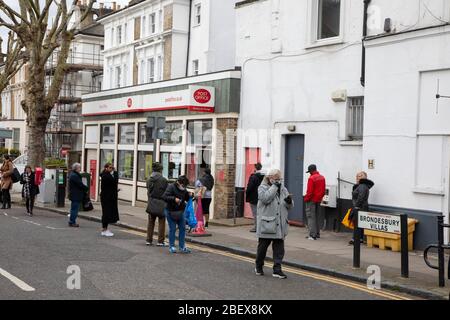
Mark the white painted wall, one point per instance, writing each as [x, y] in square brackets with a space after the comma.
[295, 85]
[405, 132]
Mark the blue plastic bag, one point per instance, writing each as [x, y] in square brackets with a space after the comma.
[190, 214]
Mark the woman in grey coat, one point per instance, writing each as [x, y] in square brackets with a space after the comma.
[274, 201]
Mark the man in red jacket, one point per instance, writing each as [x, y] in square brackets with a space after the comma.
[313, 198]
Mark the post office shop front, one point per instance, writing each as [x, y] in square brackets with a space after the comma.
[115, 131]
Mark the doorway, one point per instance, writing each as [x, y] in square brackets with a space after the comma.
[252, 157]
[293, 175]
[92, 167]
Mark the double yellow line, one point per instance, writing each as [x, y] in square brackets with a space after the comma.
[345, 283]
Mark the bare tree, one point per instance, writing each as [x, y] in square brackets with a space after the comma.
[12, 61]
[40, 40]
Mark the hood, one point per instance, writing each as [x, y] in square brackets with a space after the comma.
[155, 176]
[367, 182]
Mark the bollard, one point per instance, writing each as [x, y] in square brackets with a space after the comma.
[441, 257]
[404, 245]
[356, 244]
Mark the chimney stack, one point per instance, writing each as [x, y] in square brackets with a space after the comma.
[114, 6]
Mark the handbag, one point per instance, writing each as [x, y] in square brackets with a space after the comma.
[156, 207]
[87, 204]
[348, 221]
[15, 177]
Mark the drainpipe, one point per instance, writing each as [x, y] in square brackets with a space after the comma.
[363, 60]
[189, 38]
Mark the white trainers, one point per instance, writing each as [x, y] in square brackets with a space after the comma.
[107, 233]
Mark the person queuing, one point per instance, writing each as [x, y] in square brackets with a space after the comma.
[6, 170]
[77, 191]
[360, 198]
[109, 198]
[314, 195]
[156, 186]
[206, 181]
[176, 197]
[272, 222]
[251, 193]
[29, 189]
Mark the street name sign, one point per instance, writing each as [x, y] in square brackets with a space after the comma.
[379, 222]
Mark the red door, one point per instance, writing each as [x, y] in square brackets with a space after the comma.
[93, 172]
[252, 157]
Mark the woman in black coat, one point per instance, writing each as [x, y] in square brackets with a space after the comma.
[360, 198]
[29, 189]
[109, 198]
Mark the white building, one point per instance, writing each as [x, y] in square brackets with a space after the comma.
[173, 59]
[302, 64]
[12, 115]
[155, 40]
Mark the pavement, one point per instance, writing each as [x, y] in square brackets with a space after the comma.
[331, 255]
[41, 255]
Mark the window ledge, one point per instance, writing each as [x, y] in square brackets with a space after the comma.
[430, 191]
[351, 143]
[324, 43]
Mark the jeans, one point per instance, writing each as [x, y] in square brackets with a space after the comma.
[278, 253]
[254, 208]
[312, 212]
[181, 223]
[74, 207]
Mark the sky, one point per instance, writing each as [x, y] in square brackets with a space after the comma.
[15, 5]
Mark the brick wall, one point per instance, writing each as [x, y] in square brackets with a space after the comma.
[167, 72]
[225, 170]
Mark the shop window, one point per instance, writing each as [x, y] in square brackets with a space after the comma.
[106, 156]
[355, 118]
[171, 162]
[126, 132]
[144, 138]
[200, 132]
[173, 133]
[145, 161]
[125, 165]
[197, 163]
[328, 19]
[108, 133]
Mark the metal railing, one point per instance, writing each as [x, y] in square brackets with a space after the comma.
[441, 247]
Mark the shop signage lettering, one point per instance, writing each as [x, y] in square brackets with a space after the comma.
[202, 96]
[195, 99]
[379, 222]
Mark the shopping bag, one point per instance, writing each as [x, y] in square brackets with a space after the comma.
[189, 214]
[347, 221]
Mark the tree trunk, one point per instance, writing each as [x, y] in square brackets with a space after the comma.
[37, 115]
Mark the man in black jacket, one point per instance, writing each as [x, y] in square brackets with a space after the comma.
[251, 194]
[156, 186]
[77, 192]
